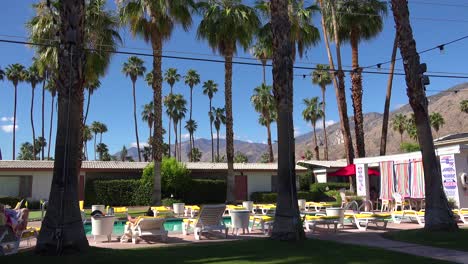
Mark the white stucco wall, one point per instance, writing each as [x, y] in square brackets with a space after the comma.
[258, 182]
[41, 181]
[461, 164]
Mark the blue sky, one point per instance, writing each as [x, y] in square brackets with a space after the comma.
[112, 103]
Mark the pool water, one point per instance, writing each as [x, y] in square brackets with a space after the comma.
[171, 225]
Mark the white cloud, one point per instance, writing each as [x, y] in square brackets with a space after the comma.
[249, 141]
[186, 136]
[142, 144]
[329, 123]
[221, 136]
[297, 131]
[7, 119]
[8, 128]
[264, 142]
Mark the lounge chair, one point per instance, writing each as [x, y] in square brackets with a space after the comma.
[317, 206]
[312, 221]
[408, 215]
[265, 222]
[145, 226]
[231, 207]
[82, 211]
[210, 218]
[161, 211]
[463, 214]
[361, 220]
[191, 210]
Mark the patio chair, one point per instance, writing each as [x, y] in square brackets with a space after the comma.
[265, 222]
[344, 200]
[312, 221]
[463, 214]
[400, 202]
[363, 219]
[145, 226]
[210, 218]
[408, 216]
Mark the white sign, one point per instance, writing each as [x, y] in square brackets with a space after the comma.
[449, 176]
[361, 180]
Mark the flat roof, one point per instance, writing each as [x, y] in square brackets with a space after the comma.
[312, 164]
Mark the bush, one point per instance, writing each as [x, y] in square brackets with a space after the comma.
[206, 191]
[12, 201]
[122, 192]
[322, 187]
[304, 181]
[271, 197]
[168, 202]
[409, 147]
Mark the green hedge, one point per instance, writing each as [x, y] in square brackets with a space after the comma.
[122, 192]
[206, 191]
[12, 201]
[270, 197]
[322, 187]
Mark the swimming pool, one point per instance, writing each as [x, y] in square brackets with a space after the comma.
[171, 225]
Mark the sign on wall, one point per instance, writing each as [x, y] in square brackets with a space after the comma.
[449, 176]
[361, 180]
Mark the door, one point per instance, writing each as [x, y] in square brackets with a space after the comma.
[241, 187]
[81, 184]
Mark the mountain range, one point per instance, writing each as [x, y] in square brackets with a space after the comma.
[446, 103]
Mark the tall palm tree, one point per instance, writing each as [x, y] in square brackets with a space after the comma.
[322, 77]
[287, 219]
[219, 119]
[239, 24]
[328, 12]
[52, 88]
[437, 121]
[171, 77]
[87, 136]
[312, 113]
[101, 148]
[39, 144]
[438, 215]
[354, 27]
[26, 152]
[262, 51]
[2, 74]
[264, 103]
[147, 115]
[209, 89]
[181, 110]
[191, 126]
[192, 78]
[33, 78]
[95, 128]
[134, 68]
[91, 86]
[175, 108]
[399, 124]
[102, 129]
[464, 106]
[388, 96]
[15, 73]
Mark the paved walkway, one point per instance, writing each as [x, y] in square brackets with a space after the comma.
[374, 238]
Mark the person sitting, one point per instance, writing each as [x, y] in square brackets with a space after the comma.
[16, 218]
[134, 220]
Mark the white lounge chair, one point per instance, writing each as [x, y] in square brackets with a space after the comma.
[145, 226]
[408, 215]
[210, 218]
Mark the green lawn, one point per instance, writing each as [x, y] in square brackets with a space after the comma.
[247, 251]
[452, 240]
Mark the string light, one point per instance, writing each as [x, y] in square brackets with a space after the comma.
[441, 48]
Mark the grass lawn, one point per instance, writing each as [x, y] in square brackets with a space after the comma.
[452, 240]
[247, 251]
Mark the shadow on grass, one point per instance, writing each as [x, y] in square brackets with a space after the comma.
[247, 251]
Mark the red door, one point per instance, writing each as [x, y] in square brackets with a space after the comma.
[241, 187]
[81, 188]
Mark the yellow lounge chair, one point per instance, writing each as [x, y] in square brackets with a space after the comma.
[362, 219]
[161, 211]
[210, 218]
[191, 210]
[264, 221]
[462, 214]
[408, 215]
[311, 221]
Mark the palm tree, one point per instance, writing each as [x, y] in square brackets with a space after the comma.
[383, 139]
[95, 128]
[312, 113]
[219, 118]
[239, 23]
[438, 215]
[123, 154]
[101, 148]
[39, 144]
[262, 51]
[175, 108]
[26, 152]
[464, 106]
[87, 136]
[2, 74]
[52, 88]
[90, 87]
[322, 77]
[15, 73]
[147, 115]
[33, 77]
[354, 27]
[102, 130]
[192, 78]
[209, 89]
[399, 122]
[287, 219]
[191, 127]
[171, 77]
[134, 68]
[264, 103]
[411, 129]
[437, 121]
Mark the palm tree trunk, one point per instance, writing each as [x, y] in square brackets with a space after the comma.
[288, 225]
[87, 108]
[100, 138]
[438, 214]
[135, 119]
[191, 144]
[50, 126]
[339, 91]
[157, 148]
[95, 135]
[150, 130]
[316, 148]
[211, 134]
[62, 230]
[401, 138]
[32, 121]
[14, 123]
[217, 145]
[229, 127]
[43, 104]
[325, 154]
[383, 139]
[176, 145]
[170, 123]
[356, 95]
[270, 145]
[180, 140]
[264, 71]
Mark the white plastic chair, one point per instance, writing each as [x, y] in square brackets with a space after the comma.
[210, 218]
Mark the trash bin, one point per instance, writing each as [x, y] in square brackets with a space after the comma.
[178, 208]
[239, 220]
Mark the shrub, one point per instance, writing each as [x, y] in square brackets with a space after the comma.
[11, 201]
[206, 191]
[409, 147]
[304, 181]
[170, 201]
[322, 187]
[271, 197]
[122, 192]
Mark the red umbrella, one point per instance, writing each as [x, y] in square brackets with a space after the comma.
[351, 170]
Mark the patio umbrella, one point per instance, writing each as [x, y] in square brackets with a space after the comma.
[351, 170]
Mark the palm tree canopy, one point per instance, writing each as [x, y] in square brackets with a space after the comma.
[437, 121]
[191, 126]
[175, 106]
[149, 78]
[51, 86]
[32, 76]
[87, 135]
[95, 127]
[15, 73]
[226, 23]
[101, 148]
[134, 68]
[303, 33]
[262, 50]
[219, 115]
[171, 76]
[147, 16]
[147, 114]
[2, 74]
[264, 102]
[365, 17]
[210, 88]
[313, 110]
[93, 85]
[321, 75]
[399, 123]
[192, 78]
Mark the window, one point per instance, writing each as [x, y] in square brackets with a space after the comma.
[15, 186]
[274, 183]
